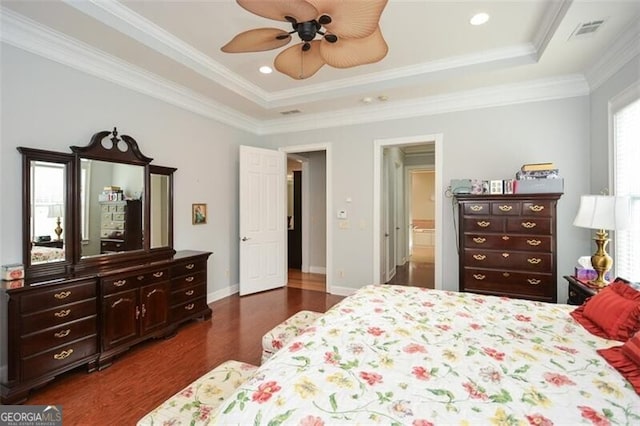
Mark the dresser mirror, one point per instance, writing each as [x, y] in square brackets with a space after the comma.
[46, 208]
[101, 206]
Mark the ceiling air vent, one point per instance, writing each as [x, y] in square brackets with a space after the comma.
[290, 112]
[587, 29]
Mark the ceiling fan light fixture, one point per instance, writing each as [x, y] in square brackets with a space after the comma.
[479, 18]
[265, 69]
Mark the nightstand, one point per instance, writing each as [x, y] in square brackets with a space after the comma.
[578, 291]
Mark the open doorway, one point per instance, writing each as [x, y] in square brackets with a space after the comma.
[307, 219]
[406, 211]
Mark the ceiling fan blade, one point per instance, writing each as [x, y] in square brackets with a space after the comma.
[257, 40]
[300, 10]
[299, 64]
[351, 18]
[346, 53]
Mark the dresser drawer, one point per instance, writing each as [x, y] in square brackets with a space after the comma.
[507, 242]
[537, 208]
[130, 281]
[59, 357]
[511, 208]
[57, 296]
[524, 261]
[187, 309]
[529, 225]
[540, 286]
[484, 224]
[60, 315]
[115, 245]
[188, 293]
[112, 233]
[476, 208]
[188, 268]
[53, 337]
[189, 280]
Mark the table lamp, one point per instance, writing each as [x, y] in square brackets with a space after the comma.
[55, 210]
[603, 213]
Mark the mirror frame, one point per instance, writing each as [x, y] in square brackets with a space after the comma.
[47, 269]
[74, 263]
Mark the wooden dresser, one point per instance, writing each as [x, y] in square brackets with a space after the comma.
[120, 226]
[507, 245]
[55, 326]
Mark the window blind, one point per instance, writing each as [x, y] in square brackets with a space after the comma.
[626, 135]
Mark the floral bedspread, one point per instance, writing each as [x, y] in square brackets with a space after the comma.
[404, 355]
[46, 254]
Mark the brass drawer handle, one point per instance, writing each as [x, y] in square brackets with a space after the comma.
[483, 223]
[534, 260]
[505, 208]
[506, 274]
[479, 240]
[190, 306]
[117, 302]
[479, 256]
[189, 279]
[140, 277]
[479, 277]
[190, 266]
[63, 313]
[505, 237]
[119, 283]
[536, 208]
[158, 274]
[534, 281]
[62, 295]
[475, 208]
[63, 333]
[63, 354]
[505, 255]
[534, 242]
[528, 225]
[189, 293]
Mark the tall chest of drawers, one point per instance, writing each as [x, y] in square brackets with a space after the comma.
[507, 245]
[120, 226]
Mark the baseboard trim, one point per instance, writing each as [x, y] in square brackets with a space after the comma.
[222, 293]
[318, 270]
[342, 291]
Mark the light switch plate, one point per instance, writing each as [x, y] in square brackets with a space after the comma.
[342, 214]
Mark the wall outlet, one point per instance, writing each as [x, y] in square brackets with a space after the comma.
[340, 273]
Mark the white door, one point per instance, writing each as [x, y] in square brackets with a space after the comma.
[263, 218]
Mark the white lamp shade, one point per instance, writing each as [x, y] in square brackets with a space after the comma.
[603, 212]
[55, 210]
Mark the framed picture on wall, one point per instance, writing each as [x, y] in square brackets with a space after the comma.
[198, 214]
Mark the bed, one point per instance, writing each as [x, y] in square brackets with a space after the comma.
[405, 355]
[41, 254]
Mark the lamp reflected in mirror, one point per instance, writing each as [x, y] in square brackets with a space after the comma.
[55, 211]
[602, 213]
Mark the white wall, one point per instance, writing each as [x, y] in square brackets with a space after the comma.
[422, 190]
[50, 106]
[317, 166]
[491, 143]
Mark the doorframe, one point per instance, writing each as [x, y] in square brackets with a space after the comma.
[326, 147]
[305, 220]
[378, 147]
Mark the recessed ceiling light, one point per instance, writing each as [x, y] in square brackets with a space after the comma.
[366, 100]
[266, 70]
[479, 18]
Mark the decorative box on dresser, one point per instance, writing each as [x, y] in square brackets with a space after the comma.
[508, 245]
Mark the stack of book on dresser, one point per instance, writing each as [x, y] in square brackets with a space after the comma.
[535, 178]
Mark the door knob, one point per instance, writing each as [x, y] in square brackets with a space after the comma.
[245, 239]
[386, 234]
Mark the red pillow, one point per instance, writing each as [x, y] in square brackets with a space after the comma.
[613, 313]
[631, 349]
[628, 366]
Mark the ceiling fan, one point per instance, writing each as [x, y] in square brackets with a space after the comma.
[348, 29]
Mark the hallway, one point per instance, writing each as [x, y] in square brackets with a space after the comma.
[418, 271]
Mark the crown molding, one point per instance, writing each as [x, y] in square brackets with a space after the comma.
[28, 35]
[508, 94]
[625, 48]
[427, 71]
[550, 22]
[126, 21]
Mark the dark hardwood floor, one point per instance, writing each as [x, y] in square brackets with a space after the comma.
[153, 371]
[419, 271]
